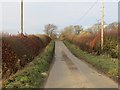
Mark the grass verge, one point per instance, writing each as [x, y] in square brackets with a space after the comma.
[32, 75]
[107, 65]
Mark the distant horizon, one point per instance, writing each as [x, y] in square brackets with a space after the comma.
[84, 28]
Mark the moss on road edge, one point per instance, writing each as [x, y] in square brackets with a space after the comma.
[33, 75]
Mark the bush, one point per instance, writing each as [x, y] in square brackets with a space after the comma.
[90, 42]
[19, 50]
[45, 38]
[31, 76]
[9, 60]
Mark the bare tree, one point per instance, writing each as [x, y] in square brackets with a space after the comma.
[112, 26]
[50, 29]
[95, 28]
[78, 29]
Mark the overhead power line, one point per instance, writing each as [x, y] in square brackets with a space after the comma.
[89, 9]
[86, 13]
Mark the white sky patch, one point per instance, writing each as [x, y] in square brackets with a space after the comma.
[38, 14]
[1, 20]
[11, 17]
[58, 0]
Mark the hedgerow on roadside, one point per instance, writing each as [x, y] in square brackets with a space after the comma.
[19, 50]
[31, 76]
[91, 41]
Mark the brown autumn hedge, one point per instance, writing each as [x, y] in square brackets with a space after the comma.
[90, 42]
[18, 50]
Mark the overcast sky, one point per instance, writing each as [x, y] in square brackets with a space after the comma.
[61, 13]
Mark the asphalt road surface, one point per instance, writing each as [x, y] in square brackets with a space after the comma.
[68, 71]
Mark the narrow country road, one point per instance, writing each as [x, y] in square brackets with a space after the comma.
[70, 72]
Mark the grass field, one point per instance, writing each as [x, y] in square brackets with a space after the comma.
[107, 65]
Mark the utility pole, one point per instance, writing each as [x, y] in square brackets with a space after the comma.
[21, 17]
[102, 25]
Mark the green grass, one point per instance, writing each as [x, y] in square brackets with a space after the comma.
[103, 63]
[30, 76]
